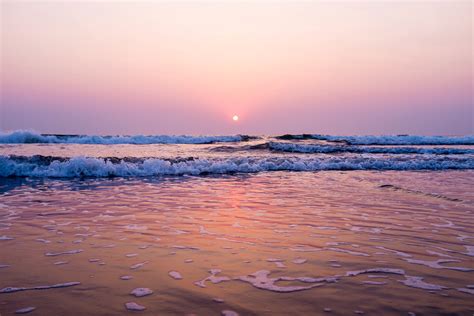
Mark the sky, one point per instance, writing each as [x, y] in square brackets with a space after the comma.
[158, 67]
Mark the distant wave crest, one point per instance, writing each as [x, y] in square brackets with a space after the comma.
[25, 137]
[387, 139]
[40, 166]
[331, 149]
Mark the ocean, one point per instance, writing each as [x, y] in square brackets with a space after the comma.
[236, 225]
[28, 154]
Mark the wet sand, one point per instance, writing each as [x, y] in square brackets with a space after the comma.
[280, 243]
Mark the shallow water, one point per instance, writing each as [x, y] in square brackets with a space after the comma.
[285, 242]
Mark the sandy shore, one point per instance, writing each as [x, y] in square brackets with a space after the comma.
[281, 243]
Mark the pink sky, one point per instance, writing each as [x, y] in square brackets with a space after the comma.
[339, 67]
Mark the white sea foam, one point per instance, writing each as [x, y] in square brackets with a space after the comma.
[98, 167]
[417, 282]
[141, 291]
[438, 264]
[330, 149]
[374, 283]
[132, 306]
[25, 310]
[213, 278]
[261, 280]
[69, 252]
[470, 251]
[466, 290]
[376, 270]
[175, 275]
[41, 287]
[354, 253]
[138, 265]
[25, 136]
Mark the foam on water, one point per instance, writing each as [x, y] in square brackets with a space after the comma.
[376, 270]
[331, 149]
[438, 264]
[12, 166]
[138, 265]
[132, 306]
[213, 278]
[261, 280]
[69, 252]
[25, 310]
[175, 275]
[417, 282]
[141, 291]
[466, 290]
[373, 283]
[26, 137]
[470, 251]
[41, 287]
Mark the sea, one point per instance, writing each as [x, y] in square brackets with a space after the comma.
[305, 224]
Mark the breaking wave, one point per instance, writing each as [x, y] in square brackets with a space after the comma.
[331, 149]
[24, 137]
[40, 166]
[387, 139]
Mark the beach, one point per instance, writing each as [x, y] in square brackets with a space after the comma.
[283, 158]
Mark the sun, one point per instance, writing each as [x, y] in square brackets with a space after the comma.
[235, 118]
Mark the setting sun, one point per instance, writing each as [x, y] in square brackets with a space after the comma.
[235, 118]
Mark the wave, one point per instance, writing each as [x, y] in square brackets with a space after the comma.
[331, 149]
[26, 137]
[23, 137]
[386, 139]
[41, 166]
[231, 149]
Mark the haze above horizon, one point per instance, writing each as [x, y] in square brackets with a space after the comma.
[354, 67]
